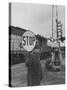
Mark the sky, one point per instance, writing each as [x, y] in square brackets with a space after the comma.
[37, 18]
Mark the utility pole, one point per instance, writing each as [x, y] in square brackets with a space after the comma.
[56, 25]
[52, 18]
[59, 33]
[56, 13]
[58, 28]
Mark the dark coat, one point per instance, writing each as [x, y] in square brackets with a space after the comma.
[34, 69]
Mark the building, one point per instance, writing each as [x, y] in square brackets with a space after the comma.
[15, 38]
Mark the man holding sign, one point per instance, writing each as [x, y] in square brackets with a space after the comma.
[33, 65]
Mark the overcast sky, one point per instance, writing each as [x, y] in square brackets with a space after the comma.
[36, 17]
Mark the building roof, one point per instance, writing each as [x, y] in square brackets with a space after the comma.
[16, 30]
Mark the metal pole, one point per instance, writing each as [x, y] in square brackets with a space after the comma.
[56, 23]
[52, 19]
[60, 54]
[56, 13]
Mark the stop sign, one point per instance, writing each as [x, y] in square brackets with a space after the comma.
[28, 41]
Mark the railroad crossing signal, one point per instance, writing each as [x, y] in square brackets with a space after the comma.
[59, 29]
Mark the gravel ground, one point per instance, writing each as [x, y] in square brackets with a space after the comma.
[19, 76]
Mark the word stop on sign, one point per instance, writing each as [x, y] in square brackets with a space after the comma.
[28, 41]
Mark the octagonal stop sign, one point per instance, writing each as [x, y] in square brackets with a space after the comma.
[28, 41]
